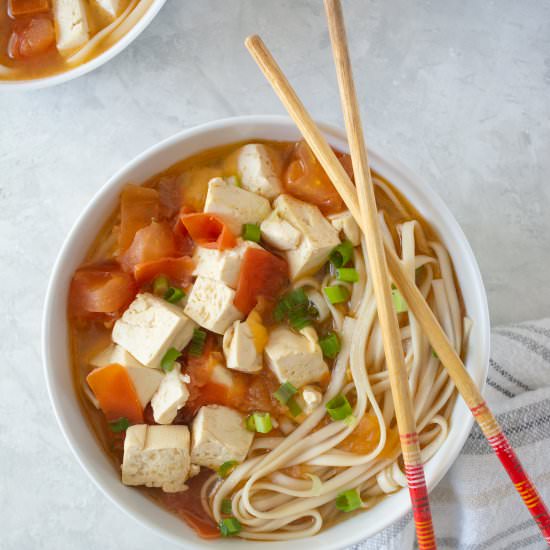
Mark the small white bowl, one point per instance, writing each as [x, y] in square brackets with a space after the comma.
[56, 347]
[94, 63]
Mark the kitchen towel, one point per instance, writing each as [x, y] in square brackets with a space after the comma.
[475, 506]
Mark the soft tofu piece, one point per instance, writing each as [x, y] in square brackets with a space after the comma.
[279, 233]
[171, 395]
[219, 435]
[150, 326]
[295, 358]
[109, 7]
[234, 205]
[71, 25]
[210, 304]
[346, 226]
[240, 350]
[157, 456]
[221, 265]
[318, 235]
[114, 354]
[309, 399]
[257, 172]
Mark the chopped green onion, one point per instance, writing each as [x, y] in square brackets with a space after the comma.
[348, 274]
[293, 407]
[226, 506]
[289, 301]
[229, 527]
[296, 307]
[196, 347]
[284, 393]
[339, 408]
[398, 301]
[350, 420]
[167, 362]
[120, 425]
[330, 344]
[336, 294]
[174, 295]
[226, 468]
[348, 501]
[160, 285]
[341, 255]
[259, 422]
[251, 232]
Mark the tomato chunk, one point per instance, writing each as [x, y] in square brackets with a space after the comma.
[100, 290]
[306, 180]
[116, 393]
[209, 231]
[178, 270]
[262, 274]
[138, 206]
[154, 242]
[17, 8]
[34, 38]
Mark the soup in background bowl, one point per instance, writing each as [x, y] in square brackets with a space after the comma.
[209, 333]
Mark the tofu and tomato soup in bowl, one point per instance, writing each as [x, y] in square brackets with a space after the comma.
[43, 38]
[222, 337]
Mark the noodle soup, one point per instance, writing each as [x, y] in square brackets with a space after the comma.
[41, 38]
[226, 347]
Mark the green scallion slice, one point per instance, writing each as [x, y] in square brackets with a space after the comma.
[341, 255]
[230, 527]
[259, 422]
[226, 506]
[226, 468]
[167, 362]
[398, 301]
[174, 295]
[120, 425]
[336, 294]
[251, 232]
[348, 501]
[296, 307]
[196, 347]
[347, 274]
[339, 408]
[161, 285]
[293, 407]
[284, 393]
[330, 345]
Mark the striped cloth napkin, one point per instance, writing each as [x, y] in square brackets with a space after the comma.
[475, 507]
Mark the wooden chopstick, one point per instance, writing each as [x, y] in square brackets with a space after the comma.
[378, 271]
[416, 303]
[399, 383]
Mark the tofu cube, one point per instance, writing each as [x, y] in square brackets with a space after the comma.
[114, 354]
[257, 172]
[150, 326]
[109, 7]
[240, 349]
[170, 397]
[279, 233]
[346, 226]
[210, 304]
[221, 265]
[219, 435]
[234, 205]
[309, 399]
[157, 456]
[295, 358]
[71, 25]
[318, 235]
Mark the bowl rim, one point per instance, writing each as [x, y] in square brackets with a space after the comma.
[349, 536]
[92, 64]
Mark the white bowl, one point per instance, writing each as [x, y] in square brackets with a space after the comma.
[56, 348]
[94, 63]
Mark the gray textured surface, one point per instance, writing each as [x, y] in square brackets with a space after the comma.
[457, 90]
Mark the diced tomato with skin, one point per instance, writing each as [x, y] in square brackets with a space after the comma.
[35, 38]
[209, 231]
[345, 161]
[178, 270]
[116, 393]
[262, 274]
[17, 8]
[306, 180]
[138, 206]
[102, 289]
[184, 242]
[154, 242]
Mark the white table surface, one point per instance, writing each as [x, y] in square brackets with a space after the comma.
[458, 90]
